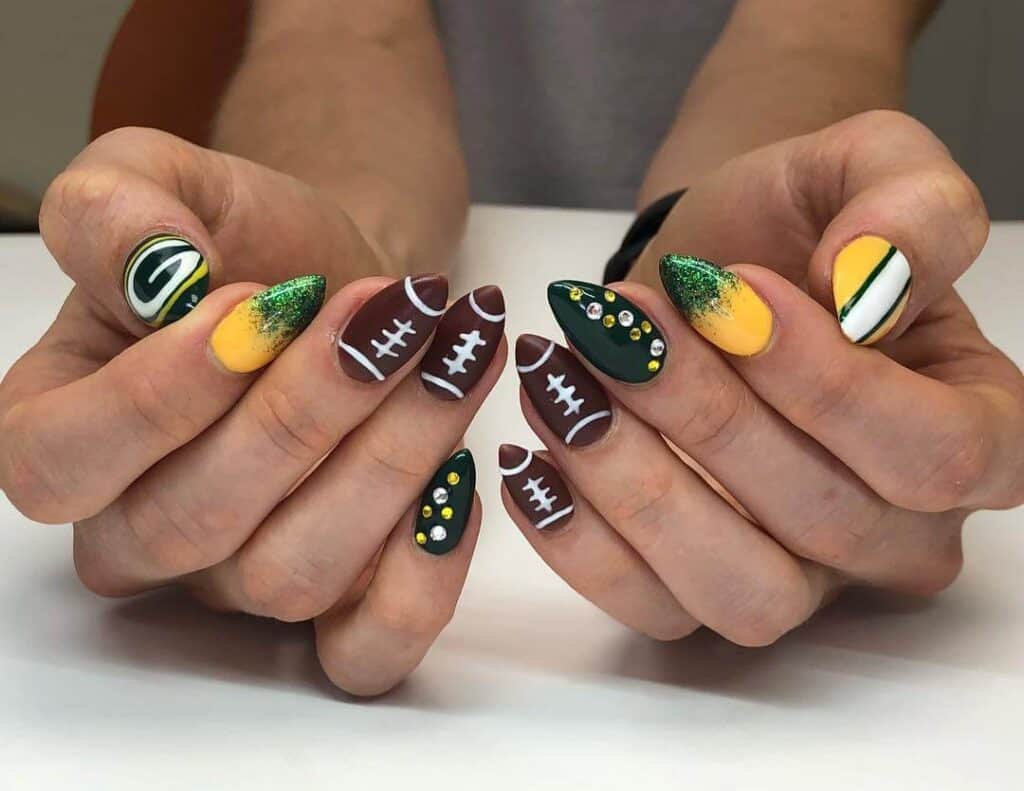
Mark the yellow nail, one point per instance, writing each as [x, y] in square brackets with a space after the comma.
[870, 286]
[720, 305]
[260, 328]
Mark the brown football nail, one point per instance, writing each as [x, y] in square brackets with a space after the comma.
[392, 326]
[535, 487]
[567, 397]
[464, 344]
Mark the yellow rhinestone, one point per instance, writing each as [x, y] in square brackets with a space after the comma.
[453, 479]
[609, 296]
[608, 320]
[634, 334]
[645, 325]
[653, 366]
[446, 512]
[427, 512]
[575, 293]
[421, 538]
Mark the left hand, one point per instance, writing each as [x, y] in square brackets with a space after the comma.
[843, 463]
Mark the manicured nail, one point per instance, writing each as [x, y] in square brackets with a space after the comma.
[718, 304]
[535, 487]
[445, 505]
[260, 328]
[464, 344]
[870, 285]
[567, 397]
[610, 331]
[164, 278]
[392, 326]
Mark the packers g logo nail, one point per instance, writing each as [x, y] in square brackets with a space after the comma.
[164, 278]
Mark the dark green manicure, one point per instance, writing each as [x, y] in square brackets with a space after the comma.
[445, 505]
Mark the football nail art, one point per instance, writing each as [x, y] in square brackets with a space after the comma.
[165, 276]
[464, 344]
[610, 331]
[565, 394]
[260, 328]
[392, 326]
[870, 285]
[535, 487]
[445, 505]
[720, 305]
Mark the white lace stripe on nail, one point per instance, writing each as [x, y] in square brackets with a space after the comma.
[414, 298]
[525, 369]
[583, 423]
[547, 520]
[505, 471]
[363, 360]
[479, 311]
[443, 383]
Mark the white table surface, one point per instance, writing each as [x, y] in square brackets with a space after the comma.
[530, 686]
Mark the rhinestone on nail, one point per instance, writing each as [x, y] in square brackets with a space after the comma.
[427, 512]
[657, 347]
[653, 366]
[609, 296]
[421, 538]
[625, 318]
[608, 321]
[575, 293]
[646, 326]
[453, 479]
[440, 495]
[438, 533]
[634, 334]
[594, 310]
[447, 512]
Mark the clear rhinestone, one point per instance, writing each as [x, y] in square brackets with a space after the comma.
[438, 533]
[594, 310]
[440, 495]
[657, 347]
[625, 318]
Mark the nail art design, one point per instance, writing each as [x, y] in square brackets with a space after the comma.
[391, 327]
[464, 344]
[260, 328]
[871, 286]
[567, 397]
[610, 331]
[445, 505]
[718, 304]
[164, 278]
[535, 487]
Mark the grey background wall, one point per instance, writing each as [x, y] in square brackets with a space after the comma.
[965, 84]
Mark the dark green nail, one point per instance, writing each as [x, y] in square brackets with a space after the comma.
[610, 331]
[445, 505]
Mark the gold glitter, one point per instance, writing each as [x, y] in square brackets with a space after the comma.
[645, 325]
[575, 294]
[609, 320]
[447, 512]
[427, 512]
[634, 334]
[653, 366]
[453, 479]
[609, 296]
[421, 538]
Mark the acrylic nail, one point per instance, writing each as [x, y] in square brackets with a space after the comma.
[445, 505]
[569, 400]
[165, 277]
[260, 328]
[464, 344]
[535, 487]
[391, 327]
[616, 336]
[719, 304]
[870, 286]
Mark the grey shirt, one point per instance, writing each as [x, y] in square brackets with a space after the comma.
[564, 102]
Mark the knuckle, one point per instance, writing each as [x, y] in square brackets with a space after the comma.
[410, 618]
[159, 409]
[91, 571]
[831, 397]
[960, 466]
[645, 503]
[289, 424]
[842, 536]
[77, 200]
[284, 591]
[763, 619]
[673, 629]
[718, 421]
[392, 460]
[963, 202]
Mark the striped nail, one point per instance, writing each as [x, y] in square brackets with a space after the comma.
[871, 286]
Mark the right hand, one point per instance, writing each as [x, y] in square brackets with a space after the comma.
[290, 493]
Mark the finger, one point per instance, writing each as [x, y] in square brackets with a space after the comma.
[369, 648]
[199, 505]
[579, 545]
[70, 451]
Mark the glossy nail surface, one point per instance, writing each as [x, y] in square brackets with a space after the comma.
[464, 344]
[535, 487]
[565, 394]
[260, 328]
[610, 331]
[870, 286]
[445, 505]
[392, 326]
[718, 304]
[165, 276]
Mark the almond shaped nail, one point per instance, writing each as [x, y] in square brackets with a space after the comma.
[719, 304]
[610, 331]
[445, 505]
[464, 344]
[535, 487]
[165, 277]
[568, 398]
[871, 287]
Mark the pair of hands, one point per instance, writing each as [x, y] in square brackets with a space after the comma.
[292, 493]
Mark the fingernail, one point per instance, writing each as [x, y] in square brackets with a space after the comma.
[392, 326]
[445, 505]
[566, 396]
[260, 328]
[718, 304]
[165, 276]
[610, 331]
[870, 285]
[535, 487]
[464, 344]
